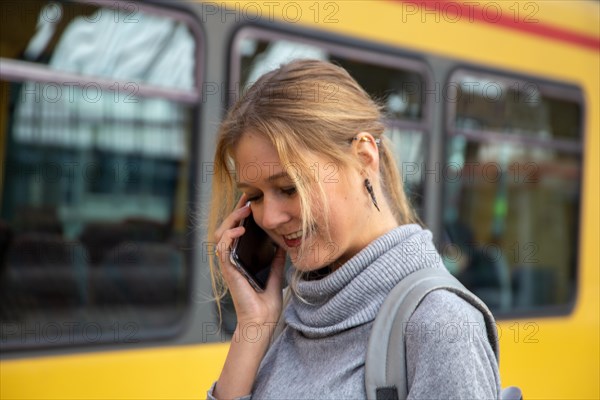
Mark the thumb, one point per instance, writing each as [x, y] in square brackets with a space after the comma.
[275, 282]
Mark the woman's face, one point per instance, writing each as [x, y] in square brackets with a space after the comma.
[276, 205]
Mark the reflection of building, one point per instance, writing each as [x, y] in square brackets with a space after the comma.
[514, 184]
[96, 172]
[97, 152]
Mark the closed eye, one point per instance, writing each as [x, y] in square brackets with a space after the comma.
[289, 191]
[254, 198]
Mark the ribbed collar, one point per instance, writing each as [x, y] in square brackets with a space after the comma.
[352, 295]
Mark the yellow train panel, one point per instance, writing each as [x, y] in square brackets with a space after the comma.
[183, 372]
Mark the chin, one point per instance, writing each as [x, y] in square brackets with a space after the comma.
[318, 253]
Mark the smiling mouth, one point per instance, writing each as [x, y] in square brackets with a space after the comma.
[293, 239]
[294, 235]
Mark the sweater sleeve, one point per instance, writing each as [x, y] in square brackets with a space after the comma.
[209, 394]
[448, 355]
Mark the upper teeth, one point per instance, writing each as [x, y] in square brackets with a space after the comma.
[294, 235]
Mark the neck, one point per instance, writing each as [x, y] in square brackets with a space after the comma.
[377, 224]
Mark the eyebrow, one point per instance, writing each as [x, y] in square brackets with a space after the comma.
[277, 176]
[271, 178]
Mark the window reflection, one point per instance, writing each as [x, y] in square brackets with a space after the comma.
[95, 178]
[512, 192]
[484, 103]
[399, 90]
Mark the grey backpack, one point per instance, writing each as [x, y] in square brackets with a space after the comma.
[387, 380]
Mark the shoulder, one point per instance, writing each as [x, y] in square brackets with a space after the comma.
[449, 321]
[444, 323]
[443, 306]
[447, 350]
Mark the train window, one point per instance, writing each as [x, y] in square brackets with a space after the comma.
[396, 83]
[97, 106]
[512, 190]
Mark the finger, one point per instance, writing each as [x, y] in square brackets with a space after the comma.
[275, 282]
[224, 245]
[231, 221]
[243, 199]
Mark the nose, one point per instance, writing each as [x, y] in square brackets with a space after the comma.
[272, 214]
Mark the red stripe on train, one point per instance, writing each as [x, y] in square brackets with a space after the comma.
[522, 19]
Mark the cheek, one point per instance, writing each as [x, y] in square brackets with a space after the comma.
[346, 213]
[257, 214]
[340, 227]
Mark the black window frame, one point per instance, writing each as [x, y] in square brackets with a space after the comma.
[22, 71]
[554, 89]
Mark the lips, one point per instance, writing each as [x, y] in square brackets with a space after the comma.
[293, 239]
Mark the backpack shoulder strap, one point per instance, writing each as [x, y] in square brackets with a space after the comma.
[385, 364]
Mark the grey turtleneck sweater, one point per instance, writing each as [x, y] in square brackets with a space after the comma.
[321, 352]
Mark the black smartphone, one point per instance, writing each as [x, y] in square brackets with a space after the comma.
[252, 254]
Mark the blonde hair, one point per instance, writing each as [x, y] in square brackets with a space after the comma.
[304, 107]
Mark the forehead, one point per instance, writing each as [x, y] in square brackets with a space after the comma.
[253, 147]
[256, 160]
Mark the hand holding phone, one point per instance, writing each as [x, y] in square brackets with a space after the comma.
[253, 253]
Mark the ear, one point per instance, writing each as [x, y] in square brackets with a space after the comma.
[366, 149]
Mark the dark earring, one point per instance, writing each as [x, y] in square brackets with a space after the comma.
[371, 193]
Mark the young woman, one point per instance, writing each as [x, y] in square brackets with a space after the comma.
[305, 146]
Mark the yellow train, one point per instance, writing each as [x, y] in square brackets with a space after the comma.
[109, 111]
